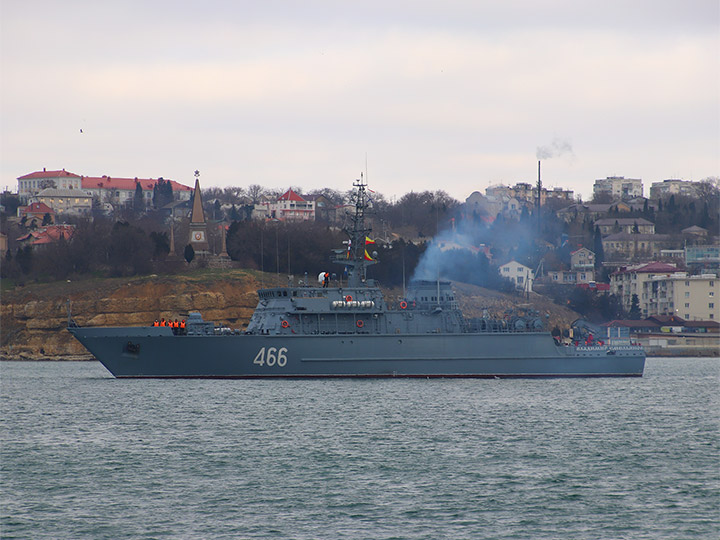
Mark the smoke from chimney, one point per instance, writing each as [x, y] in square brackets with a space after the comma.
[556, 148]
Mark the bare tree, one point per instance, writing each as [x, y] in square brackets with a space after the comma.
[255, 192]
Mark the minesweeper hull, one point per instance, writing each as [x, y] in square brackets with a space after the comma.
[158, 353]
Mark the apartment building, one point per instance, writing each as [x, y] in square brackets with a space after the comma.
[666, 188]
[619, 187]
[693, 298]
[630, 280]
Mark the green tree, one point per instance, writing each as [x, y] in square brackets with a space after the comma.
[189, 253]
[162, 193]
[138, 199]
[634, 312]
[598, 248]
[47, 219]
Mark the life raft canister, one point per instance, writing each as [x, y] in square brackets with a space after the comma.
[285, 324]
[360, 324]
[348, 298]
[403, 305]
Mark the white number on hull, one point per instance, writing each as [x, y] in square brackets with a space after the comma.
[273, 356]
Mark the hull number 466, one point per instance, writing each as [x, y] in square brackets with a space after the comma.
[272, 357]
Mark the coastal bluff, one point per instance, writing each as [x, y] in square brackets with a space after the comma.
[34, 317]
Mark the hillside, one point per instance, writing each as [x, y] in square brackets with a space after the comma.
[34, 317]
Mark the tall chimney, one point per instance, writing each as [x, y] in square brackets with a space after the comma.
[539, 189]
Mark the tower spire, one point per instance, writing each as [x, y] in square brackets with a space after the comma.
[198, 226]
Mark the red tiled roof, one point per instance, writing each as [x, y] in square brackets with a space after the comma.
[50, 234]
[49, 174]
[290, 195]
[108, 182]
[38, 208]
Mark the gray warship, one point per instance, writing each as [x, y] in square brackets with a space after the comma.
[347, 329]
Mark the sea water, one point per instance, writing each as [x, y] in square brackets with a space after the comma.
[88, 456]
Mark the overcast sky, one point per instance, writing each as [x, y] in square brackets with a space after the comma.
[453, 95]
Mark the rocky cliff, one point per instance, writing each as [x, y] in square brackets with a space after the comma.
[34, 317]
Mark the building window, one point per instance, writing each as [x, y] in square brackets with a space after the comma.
[711, 305]
[687, 304]
[687, 295]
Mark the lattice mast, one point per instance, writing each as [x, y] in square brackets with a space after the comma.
[356, 258]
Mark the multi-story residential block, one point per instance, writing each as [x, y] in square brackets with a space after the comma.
[662, 190]
[629, 280]
[619, 187]
[527, 193]
[522, 276]
[690, 297]
[628, 225]
[559, 194]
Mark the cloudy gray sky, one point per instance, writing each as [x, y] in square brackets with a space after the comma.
[453, 95]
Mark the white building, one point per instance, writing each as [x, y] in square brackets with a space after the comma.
[121, 191]
[106, 189]
[288, 207]
[33, 183]
[522, 276]
[689, 297]
[619, 187]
